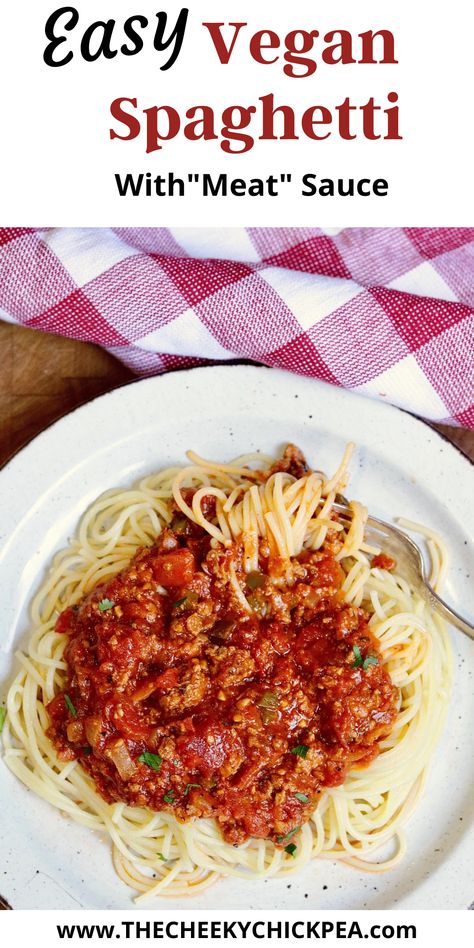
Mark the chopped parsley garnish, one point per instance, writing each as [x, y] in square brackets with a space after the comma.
[3, 714]
[358, 660]
[180, 602]
[300, 750]
[301, 797]
[188, 600]
[291, 849]
[163, 858]
[370, 660]
[363, 663]
[169, 797]
[70, 706]
[283, 839]
[151, 760]
[105, 604]
[190, 786]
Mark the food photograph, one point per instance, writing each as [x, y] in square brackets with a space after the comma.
[236, 561]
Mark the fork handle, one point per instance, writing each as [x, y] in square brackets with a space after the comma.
[442, 608]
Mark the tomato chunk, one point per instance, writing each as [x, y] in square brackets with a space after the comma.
[165, 682]
[210, 747]
[57, 709]
[174, 569]
[382, 561]
[64, 621]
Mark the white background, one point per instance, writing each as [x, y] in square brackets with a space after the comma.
[433, 929]
[58, 163]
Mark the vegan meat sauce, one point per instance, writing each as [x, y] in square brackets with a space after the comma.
[179, 699]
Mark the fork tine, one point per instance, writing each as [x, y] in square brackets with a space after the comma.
[398, 544]
[378, 533]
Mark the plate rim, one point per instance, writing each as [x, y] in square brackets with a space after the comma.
[389, 406]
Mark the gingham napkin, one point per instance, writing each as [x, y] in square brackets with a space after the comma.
[385, 312]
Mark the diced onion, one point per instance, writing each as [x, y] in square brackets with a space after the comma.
[122, 760]
[75, 731]
[93, 729]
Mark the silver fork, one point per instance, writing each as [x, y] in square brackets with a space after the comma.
[410, 563]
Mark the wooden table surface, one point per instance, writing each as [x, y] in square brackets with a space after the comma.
[43, 377]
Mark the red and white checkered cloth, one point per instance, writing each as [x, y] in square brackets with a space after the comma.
[385, 312]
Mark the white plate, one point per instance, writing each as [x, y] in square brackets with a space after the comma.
[401, 467]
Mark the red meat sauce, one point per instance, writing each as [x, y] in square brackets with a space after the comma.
[382, 561]
[178, 699]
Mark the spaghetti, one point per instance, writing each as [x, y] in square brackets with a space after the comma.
[252, 511]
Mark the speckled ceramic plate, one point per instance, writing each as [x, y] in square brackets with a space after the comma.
[401, 468]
